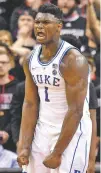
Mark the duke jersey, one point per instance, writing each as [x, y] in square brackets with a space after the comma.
[53, 108]
[51, 86]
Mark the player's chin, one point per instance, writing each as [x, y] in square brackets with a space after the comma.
[41, 40]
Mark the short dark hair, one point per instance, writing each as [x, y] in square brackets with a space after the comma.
[72, 40]
[52, 9]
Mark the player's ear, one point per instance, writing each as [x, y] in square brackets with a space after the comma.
[60, 25]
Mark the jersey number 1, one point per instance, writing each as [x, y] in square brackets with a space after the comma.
[46, 95]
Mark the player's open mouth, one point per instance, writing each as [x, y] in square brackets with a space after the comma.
[40, 34]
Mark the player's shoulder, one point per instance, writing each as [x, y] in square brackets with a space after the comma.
[72, 52]
[74, 63]
[74, 58]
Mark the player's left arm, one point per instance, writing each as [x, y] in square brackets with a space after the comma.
[74, 70]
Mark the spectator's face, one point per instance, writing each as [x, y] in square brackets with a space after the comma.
[44, 1]
[84, 2]
[46, 28]
[30, 2]
[4, 63]
[5, 39]
[66, 5]
[26, 20]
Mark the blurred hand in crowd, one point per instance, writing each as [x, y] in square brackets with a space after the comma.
[4, 136]
[35, 4]
[21, 51]
[91, 1]
[23, 32]
[83, 3]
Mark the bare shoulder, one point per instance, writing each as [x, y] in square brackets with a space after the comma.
[74, 66]
[26, 62]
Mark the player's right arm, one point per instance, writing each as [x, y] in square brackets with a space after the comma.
[29, 117]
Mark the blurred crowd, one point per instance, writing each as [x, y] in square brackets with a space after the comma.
[80, 18]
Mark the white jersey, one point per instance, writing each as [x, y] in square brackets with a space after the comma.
[51, 86]
[53, 109]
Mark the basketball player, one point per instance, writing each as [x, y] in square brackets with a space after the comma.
[55, 136]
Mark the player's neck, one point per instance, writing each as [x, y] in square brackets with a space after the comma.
[49, 50]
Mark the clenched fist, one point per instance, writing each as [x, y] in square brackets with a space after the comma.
[52, 161]
[23, 157]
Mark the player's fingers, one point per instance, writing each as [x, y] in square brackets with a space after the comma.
[22, 161]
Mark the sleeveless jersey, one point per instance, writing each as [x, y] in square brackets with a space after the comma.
[51, 86]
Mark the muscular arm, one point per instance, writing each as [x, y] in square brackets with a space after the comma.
[74, 70]
[29, 112]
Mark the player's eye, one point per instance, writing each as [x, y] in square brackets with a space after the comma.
[37, 22]
[46, 22]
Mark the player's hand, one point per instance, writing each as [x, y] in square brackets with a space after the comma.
[52, 161]
[23, 157]
[91, 167]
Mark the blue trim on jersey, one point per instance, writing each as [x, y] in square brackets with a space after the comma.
[87, 100]
[64, 53]
[30, 59]
[76, 148]
[85, 157]
[58, 51]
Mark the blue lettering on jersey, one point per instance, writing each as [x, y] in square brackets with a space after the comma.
[39, 79]
[55, 81]
[76, 171]
[34, 78]
[46, 79]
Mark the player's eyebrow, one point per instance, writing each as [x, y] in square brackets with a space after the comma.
[48, 17]
[48, 20]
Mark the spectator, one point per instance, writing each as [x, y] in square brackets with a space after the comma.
[72, 40]
[35, 4]
[93, 105]
[93, 32]
[8, 159]
[3, 23]
[6, 8]
[6, 37]
[16, 110]
[16, 69]
[25, 42]
[73, 23]
[7, 88]
[94, 78]
[93, 27]
[22, 19]
[83, 7]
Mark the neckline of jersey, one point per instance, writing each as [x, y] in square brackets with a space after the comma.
[52, 59]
